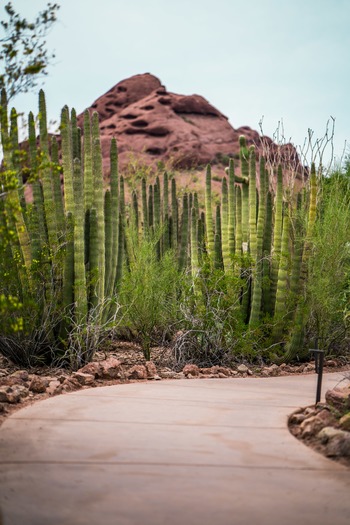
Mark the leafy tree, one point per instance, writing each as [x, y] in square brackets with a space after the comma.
[23, 54]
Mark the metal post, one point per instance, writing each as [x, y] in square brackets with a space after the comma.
[319, 358]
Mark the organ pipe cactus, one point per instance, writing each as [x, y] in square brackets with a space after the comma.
[208, 214]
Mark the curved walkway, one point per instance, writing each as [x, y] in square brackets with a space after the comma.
[186, 452]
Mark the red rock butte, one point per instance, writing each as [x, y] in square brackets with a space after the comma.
[152, 125]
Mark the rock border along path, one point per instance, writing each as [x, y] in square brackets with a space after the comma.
[191, 452]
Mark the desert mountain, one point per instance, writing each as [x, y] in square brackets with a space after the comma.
[152, 124]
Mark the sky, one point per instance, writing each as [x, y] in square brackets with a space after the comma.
[277, 60]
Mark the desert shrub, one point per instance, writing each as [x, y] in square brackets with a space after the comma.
[150, 291]
[328, 285]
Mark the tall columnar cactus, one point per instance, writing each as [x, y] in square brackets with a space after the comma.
[87, 155]
[277, 235]
[114, 184]
[218, 260]
[194, 244]
[99, 205]
[174, 216]
[281, 305]
[80, 291]
[252, 204]
[166, 240]
[46, 175]
[209, 215]
[257, 288]
[266, 267]
[224, 226]
[244, 159]
[56, 188]
[12, 204]
[238, 237]
[295, 345]
[184, 234]
[231, 209]
[150, 207]
[67, 160]
[144, 206]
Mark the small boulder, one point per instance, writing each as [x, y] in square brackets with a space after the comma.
[242, 369]
[190, 371]
[54, 388]
[21, 374]
[339, 398]
[151, 369]
[93, 369]
[13, 394]
[38, 384]
[83, 379]
[337, 441]
[111, 368]
[137, 372]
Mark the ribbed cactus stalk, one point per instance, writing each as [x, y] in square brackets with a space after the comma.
[111, 273]
[41, 234]
[244, 159]
[218, 260]
[68, 270]
[16, 158]
[166, 240]
[295, 346]
[144, 206]
[46, 175]
[108, 237]
[13, 205]
[257, 276]
[225, 215]
[194, 244]
[67, 160]
[281, 304]
[266, 267]
[80, 291]
[93, 291]
[87, 154]
[56, 187]
[174, 216]
[184, 234]
[135, 214]
[99, 205]
[231, 208]
[277, 235]
[238, 237]
[252, 204]
[150, 207]
[156, 200]
[76, 151]
[209, 214]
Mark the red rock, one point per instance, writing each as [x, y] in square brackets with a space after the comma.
[13, 394]
[21, 374]
[111, 368]
[191, 371]
[339, 397]
[93, 369]
[70, 384]
[54, 388]
[151, 370]
[38, 384]
[137, 372]
[155, 125]
[83, 379]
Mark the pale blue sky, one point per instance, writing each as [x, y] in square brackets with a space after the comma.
[272, 58]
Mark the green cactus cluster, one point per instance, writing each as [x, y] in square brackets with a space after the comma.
[72, 236]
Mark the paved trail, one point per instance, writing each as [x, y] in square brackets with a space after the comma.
[186, 452]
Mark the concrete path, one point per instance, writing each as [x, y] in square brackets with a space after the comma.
[186, 452]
